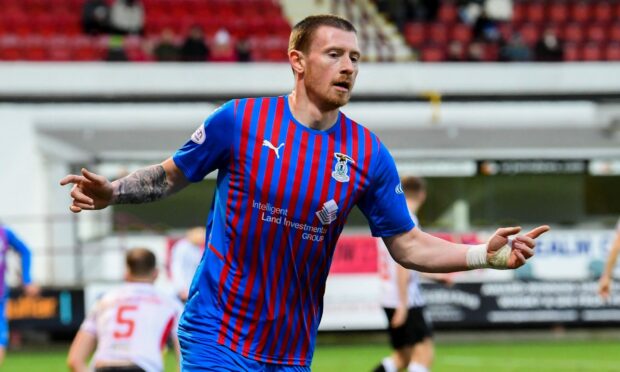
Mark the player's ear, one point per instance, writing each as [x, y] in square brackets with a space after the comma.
[297, 60]
[155, 274]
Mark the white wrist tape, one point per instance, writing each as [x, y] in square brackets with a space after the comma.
[477, 257]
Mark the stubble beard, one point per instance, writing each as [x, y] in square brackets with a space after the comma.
[328, 101]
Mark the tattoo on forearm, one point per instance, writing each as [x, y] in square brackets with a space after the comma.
[142, 186]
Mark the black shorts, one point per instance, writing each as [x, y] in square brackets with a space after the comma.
[417, 327]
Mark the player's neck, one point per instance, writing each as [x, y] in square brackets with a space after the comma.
[138, 280]
[308, 113]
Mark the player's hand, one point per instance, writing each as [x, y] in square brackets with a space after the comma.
[90, 191]
[183, 295]
[604, 286]
[507, 252]
[399, 318]
[32, 290]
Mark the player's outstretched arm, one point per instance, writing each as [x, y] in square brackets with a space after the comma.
[420, 251]
[82, 347]
[604, 283]
[91, 191]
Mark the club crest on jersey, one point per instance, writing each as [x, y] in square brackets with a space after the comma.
[341, 170]
[328, 213]
[199, 135]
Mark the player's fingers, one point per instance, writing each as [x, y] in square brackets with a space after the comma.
[604, 293]
[71, 178]
[93, 177]
[83, 206]
[75, 209]
[535, 233]
[529, 242]
[524, 249]
[520, 257]
[79, 196]
[507, 231]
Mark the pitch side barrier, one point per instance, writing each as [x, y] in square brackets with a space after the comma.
[118, 82]
[557, 287]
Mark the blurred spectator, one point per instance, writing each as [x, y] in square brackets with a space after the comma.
[194, 48]
[549, 48]
[95, 17]
[498, 10]
[397, 11]
[223, 50]
[475, 52]
[455, 52]
[116, 52]
[485, 28]
[166, 49]
[515, 50]
[383, 6]
[244, 50]
[186, 255]
[470, 10]
[425, 10]
[127, 17]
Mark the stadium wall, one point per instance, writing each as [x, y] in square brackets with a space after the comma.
[59, 117]
[410, 80]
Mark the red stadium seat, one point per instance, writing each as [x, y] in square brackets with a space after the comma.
[592, 52]
[448, 13]
[612, 52]
[596, 32]
[558, 11]
[433, 53]
[602, 12]
[573, 32]
[35, 6]
[530, 33]
[535, 12]
[10, 48]
[415, 34]
[519, 10]
[614, 32]
[580, 12]
[571, 52]
[491, 52]
[35, 54]
[461, 32]
[616, 10]
[59, 48]
[437, 33]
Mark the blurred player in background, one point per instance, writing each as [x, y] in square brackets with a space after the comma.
[129, 326]
[409, 328]
[604, 284]
[290, 169]
[186, 255]
[8, 239]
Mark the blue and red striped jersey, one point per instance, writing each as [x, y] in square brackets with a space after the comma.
[283, 194]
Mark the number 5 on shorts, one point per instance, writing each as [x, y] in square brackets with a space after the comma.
[124, 317]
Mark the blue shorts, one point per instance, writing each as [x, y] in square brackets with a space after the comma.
[197, 356]
[4, 326]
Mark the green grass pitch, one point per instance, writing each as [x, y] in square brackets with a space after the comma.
[577, 356]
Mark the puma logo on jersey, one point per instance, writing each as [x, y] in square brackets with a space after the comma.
[275, 149]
